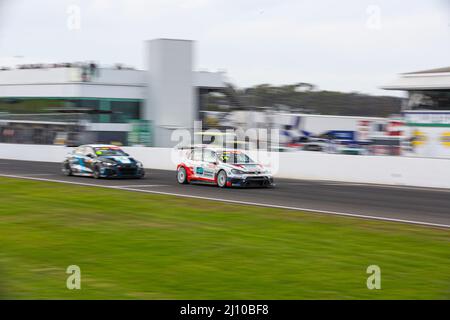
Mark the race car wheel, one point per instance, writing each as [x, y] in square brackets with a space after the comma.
[66, 169]
[222, 179]
[182, 176]
[96, 173]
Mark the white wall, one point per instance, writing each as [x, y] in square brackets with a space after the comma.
[67, 75]
[66, 82]
[424, 172]
[421, 172]
[34, 76]
[69, 90]
[32, 152]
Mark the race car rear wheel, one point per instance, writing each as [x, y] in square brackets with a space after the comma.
[66, 170]
[96, 173]
[222, 179]
[182, 176]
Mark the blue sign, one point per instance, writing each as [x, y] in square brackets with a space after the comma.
[341, 134]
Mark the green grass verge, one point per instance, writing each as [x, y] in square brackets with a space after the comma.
[142, 246]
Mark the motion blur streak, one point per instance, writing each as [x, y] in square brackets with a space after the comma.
[407, 205]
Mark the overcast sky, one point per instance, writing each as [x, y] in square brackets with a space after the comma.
[350, 45]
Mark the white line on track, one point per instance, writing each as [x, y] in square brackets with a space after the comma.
[31, 177]
[40, 174]
[375, 185]
[353, 215]
[143, 185]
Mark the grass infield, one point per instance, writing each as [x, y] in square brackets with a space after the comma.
[140, 246]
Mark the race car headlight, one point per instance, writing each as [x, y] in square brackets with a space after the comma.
[236, 171]
[108, 164]
[139, 164]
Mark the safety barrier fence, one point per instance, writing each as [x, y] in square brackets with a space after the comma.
[408, 171]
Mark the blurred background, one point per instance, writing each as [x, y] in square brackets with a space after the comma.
[352, 97]
[367, 79]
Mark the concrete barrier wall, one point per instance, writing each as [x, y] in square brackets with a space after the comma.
[423, 172]
[33, 152]
[155, 158]
[407, 171]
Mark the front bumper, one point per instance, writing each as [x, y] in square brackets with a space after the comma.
[251, 181]
[122, 172]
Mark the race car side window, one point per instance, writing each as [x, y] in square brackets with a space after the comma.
[197, 155]
[209, 156]
[88, 151]
[79, 151]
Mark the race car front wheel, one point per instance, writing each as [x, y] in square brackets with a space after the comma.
[182, 176]
[222, 179]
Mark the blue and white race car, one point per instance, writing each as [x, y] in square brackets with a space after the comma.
[102, 161]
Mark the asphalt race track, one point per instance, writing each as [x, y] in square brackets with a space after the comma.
[395, 203]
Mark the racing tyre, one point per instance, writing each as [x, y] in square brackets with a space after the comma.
[222, 179]
[140, 176]
[182, 176]
[96, 173]
[66, 170]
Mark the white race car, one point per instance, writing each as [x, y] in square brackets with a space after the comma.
[222, 167]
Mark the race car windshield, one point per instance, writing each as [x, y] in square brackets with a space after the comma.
[109, 152]
[235, 157]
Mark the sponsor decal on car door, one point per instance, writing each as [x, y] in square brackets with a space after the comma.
[197, 164]
[209, 164]
[199, 169]
[79, 162]
[208, 171]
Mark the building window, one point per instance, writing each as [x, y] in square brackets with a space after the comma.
[124, 111]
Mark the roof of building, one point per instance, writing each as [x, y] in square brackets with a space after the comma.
[436, 70]
[432, 79]
[72, 82]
